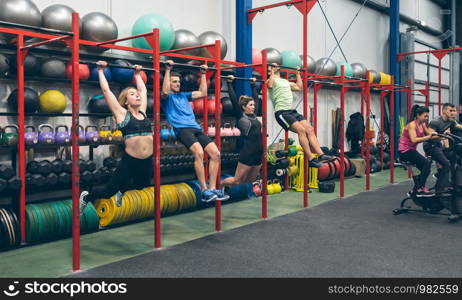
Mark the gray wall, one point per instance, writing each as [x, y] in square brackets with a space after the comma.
[366, 42]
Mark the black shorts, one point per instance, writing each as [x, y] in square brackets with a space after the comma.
[286, 118]
[250, 157]
[189, 136]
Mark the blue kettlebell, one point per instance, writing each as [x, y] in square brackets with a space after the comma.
[30, 137]
[46, 137]
[62, 137]
[164, 134]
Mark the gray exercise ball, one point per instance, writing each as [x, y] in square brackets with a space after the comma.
[19, 11]
[59, 17]
[273, 56]
[54, 68]
[98, 27]
[209, 37]
[4, 65]
[185, 38]
[311, 63]
[326, 67]
[359, 70]
[376, 77]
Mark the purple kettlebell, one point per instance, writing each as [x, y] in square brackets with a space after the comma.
[82, 138]
[30, 137]
[92, 137]
[62, 137]
[46, 137]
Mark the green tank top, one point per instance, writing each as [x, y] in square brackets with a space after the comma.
[281, 94]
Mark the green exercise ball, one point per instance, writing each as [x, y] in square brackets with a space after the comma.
[147, 23]
[291, 59]
[348, 68]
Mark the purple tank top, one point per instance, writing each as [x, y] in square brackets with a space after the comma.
[405, 143]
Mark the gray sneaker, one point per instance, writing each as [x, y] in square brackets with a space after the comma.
[118, 198]
[82, 202]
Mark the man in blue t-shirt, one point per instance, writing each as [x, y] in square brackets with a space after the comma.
[180, 115]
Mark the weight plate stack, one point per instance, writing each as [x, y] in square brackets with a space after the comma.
[9, 228]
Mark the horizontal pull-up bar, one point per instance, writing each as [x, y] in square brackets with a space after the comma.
[45, 42]
[241, 78]
[125, 39]
[116, 66]
[36, 28]
[187, 48]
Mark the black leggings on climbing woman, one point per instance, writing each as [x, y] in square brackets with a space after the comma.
[131, 173]
[421, 163]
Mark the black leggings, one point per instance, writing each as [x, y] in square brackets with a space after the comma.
[131, 173]
[420, 162]
[446, 160]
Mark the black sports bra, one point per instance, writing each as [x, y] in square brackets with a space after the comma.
[131, 126]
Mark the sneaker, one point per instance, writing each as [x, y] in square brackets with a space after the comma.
[221, 196]
[435, 175]
[208, 196]
[314, 163]
[82, 202]
[325, 157]
[424, 192]
[118, 199]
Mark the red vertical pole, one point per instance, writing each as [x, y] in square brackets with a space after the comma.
[264, 119]
[316, 88]
[205, 115]
[156, 140]
[363, 98]
[75, 142]
[342, 134]
[21, 54]
[382, 122]
[217, 126]
[368, 125]
[286, 147]
[409, 110]
[305, 96]
[392, 130]
[439, 84]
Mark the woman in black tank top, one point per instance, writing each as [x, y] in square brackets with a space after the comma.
[250, 155]
[135, 168]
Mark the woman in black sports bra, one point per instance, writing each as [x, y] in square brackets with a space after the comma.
[250, 156]
[135, 168]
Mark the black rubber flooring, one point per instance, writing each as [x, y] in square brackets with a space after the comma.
[352, 237]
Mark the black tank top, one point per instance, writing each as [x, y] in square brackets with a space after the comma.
[131, 126]
[250, 128]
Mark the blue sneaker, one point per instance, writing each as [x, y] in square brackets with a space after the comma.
[221, 196]
[208, 196]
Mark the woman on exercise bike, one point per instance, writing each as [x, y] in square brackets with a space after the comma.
[415, 132]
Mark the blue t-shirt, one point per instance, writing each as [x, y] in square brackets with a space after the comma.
[179, 112]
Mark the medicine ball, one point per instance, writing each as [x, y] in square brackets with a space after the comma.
[53, 101]
[189, 81]
[53, 67]
[31, 65]
[98, 105]
[94, 74]
[84, 71]
[122, 75]
[31, 100]
[227, 106]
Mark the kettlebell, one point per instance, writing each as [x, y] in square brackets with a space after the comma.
[227, 131]
[46, 137]
[211, 131]
[277, 188]
[164, 134]
[91, 137]
[256, 189]
[270, 188]
[236, 131]
[82, 139]
[105, 135]
[292, 151]
[10, 138]
[117, 136]
[62, 137]
[30, 137]
[172, 134]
